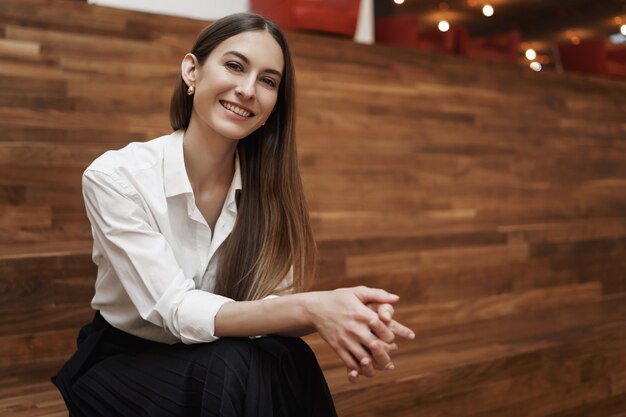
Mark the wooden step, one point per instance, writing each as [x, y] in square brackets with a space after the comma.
[490, 197]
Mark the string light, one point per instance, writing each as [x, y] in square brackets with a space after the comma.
[622, 29]
[398, 1]
[487, 10]
[531, 54]
[443, 26]
[535, 66]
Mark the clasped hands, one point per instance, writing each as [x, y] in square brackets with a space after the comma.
[358, 324]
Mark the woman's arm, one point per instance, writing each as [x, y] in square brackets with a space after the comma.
[151, 277]
[342, 318]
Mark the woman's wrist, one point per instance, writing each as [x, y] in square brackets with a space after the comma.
[306, 303]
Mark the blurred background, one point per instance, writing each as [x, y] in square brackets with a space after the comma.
[436, 162]
[556, 34]
[586, 36]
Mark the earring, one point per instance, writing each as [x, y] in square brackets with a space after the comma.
[191, 90]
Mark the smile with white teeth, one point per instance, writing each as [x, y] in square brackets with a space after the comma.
[235, 109]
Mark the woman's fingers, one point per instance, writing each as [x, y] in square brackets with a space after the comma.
[366, 357]
[373, 307]
[363, 357]
[389, 347]
[348, 359]
[374, 295]
[367, 367]
[353, 376]
[371, 352]
[381, 330]
[401, 330]
[385, 312]
[380, 354]
[356, 357]
[379, 351]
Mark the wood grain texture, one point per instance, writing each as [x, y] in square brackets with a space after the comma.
[490, 197]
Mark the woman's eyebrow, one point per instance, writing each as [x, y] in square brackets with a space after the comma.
[247, 61]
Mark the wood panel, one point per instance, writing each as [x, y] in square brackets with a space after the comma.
[492, 198]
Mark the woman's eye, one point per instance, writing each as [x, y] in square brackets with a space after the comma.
[269, 82]
[234, 66]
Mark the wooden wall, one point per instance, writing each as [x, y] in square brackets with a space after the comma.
[492, 198]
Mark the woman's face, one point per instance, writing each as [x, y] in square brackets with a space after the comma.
[237, 86]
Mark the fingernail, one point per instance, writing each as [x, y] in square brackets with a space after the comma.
[411, 335]
[365, 361]
[389, 366]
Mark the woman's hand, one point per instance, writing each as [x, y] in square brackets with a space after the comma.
[385, 313]
[355, 332]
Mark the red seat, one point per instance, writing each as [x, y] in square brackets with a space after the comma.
[331, 16]
[500, 48]
[616, 61]
[403, 31]
[591, 56]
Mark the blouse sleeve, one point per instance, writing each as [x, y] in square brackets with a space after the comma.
[145, 263]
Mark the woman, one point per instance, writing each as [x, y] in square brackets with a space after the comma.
[203, 236]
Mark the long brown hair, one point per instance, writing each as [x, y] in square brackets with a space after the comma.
[273, 230]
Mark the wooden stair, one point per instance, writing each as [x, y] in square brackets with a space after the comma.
[492, 198]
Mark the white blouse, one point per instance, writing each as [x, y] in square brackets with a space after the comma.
[156, 254]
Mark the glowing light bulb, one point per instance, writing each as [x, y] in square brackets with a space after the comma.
[443, 26]
[398, 1]
[622, 29]
[535, 66]
[487, 10]
[531, 54]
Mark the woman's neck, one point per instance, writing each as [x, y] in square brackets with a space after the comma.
[209, 158]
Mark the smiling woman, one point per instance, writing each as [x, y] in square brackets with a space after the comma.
[203, 242]
[240, 84]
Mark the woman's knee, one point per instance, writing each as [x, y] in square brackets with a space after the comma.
[231, 350]
[283, 349]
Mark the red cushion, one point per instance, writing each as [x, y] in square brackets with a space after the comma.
[402, 30]
[333, 16]
[617, 54]
[587, 57]
[502, 48]
[398, 30]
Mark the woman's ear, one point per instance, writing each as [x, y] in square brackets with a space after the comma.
[189, 67]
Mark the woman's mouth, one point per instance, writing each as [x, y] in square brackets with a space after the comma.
[235, 109]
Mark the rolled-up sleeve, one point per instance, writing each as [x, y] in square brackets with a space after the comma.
[144, 261]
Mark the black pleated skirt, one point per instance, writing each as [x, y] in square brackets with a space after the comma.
[114, 373]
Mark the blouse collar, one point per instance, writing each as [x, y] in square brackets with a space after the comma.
[176, 181]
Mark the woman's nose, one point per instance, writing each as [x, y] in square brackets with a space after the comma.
[246, 88]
